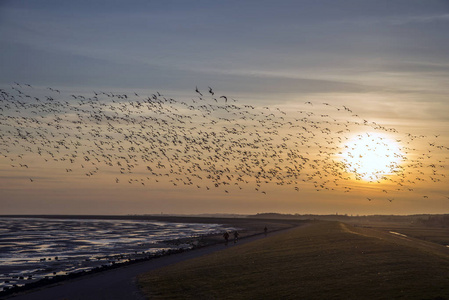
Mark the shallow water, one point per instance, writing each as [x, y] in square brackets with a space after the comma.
[34, 248]
[397, 233]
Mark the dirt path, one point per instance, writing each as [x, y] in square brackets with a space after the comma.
[118, 283]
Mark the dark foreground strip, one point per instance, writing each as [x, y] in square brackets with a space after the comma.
[117, 281]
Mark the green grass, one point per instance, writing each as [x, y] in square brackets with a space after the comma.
[324, 260]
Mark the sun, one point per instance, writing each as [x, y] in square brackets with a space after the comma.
[371, 156]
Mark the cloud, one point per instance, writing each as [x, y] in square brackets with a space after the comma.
[396, 19]
[403, 20]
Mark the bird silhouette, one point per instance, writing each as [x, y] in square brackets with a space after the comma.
[206, 144]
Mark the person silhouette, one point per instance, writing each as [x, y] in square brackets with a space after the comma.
[236, 236]
[265, 230]
[226, 237]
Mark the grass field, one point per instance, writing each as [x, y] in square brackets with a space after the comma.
[321, 260]
[438, 235]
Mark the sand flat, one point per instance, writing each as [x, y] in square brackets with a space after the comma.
[120, 283]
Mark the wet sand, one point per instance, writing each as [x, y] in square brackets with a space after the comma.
[33, 249]
[119, 283]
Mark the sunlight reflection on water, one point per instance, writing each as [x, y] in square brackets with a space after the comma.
[32, 248]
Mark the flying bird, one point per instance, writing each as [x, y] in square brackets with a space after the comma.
[191, 143]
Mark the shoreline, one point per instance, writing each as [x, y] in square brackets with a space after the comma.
[55, 249]
[247, 227]
[49, 281]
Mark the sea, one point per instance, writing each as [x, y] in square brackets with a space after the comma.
[35, 248]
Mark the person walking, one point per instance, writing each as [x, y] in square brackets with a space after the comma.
[226, 237]
[236, 236]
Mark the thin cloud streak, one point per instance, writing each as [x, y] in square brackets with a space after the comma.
[386, 60]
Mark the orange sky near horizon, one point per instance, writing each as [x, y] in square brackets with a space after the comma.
[107, 153]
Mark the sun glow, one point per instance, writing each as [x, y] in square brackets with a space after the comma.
[371, 156]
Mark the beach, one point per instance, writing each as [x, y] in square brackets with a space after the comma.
[37, 249]
[138, 262]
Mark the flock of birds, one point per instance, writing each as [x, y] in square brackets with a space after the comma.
[207, 142]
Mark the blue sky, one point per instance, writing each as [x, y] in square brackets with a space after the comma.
[246, 47]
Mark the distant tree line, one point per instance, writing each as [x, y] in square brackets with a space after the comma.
[435, 221]
[422, 219]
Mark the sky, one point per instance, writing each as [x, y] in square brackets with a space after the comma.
[382, 66]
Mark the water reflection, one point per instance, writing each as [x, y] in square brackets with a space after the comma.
[31, 249]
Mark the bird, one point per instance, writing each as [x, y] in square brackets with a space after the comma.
[203, 143]
[196, 90]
